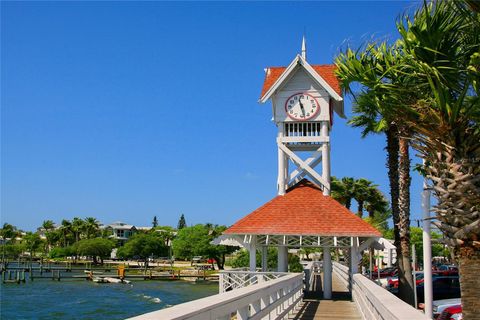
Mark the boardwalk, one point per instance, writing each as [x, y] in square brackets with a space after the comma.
[340, 307]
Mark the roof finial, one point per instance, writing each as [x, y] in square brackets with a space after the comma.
[304, 48]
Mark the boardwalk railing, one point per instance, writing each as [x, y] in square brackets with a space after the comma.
[310, 270]
[275, 299]
[235, 279]
[373, 301]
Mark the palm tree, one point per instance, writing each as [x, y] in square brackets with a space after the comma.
[375, 112]
[343, 190]
[48, 226]
[91, 227]
[66, 229]
[77, 228]
[362, 191]
[442, 58]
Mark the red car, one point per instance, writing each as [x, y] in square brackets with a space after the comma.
[451, 313]
[446, 270]
[393, 282]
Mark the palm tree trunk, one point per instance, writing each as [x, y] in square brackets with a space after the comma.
[406, 285]
[348, 203]
[469, 258]
[393, 151]
[360, 209]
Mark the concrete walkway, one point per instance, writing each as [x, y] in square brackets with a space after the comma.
[340, 307]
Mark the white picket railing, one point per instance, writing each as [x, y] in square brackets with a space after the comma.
[275, 299]
[235, 279]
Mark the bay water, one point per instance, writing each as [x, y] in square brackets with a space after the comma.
[81, 299]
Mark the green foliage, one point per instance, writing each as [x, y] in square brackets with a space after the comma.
[62, 252]
[181, 222]
[195, 241]
[8, 231]
[144, 245]
[31, 242]
[12, 250]
[242, 260]
[294, 264]
[96, 247]
[416, 238]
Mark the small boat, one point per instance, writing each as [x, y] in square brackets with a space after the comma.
[108, 280]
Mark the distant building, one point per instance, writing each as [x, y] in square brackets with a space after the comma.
[120, 231]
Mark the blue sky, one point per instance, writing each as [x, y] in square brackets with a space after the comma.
[126, 110]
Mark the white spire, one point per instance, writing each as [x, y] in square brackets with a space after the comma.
[304, 48]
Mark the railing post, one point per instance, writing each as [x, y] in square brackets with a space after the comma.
[327, 273]
[220, 282]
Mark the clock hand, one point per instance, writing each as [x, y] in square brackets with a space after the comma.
[301, 106]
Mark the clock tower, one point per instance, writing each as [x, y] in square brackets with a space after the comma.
[304, 99]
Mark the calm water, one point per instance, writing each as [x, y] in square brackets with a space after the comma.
[81, 299]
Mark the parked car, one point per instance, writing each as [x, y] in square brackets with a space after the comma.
[446, 270]
[451, 313]
[393, 281]
[443, 288]
[440, 305]
[386, 272]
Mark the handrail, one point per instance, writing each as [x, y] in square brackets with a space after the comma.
[374, 301]
[275, 298]
[235, 279]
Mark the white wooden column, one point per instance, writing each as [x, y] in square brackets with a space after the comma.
[282, 164]
[282, 259]
[354, 256]
[253, 254]
[325, 157]
[264, 258]
[327, 273]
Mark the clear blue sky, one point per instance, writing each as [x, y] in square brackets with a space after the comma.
[125, 110]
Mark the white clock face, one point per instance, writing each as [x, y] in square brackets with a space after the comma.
[301, 106]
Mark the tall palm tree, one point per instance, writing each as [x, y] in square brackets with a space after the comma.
[375, 202]
[363, 188]
[442, 57]
[375, 112]
[77, 228]
[343, 190]
[66, 230]
[48, 226]
[91, 227]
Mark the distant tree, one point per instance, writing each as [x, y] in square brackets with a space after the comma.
[181, 223]
[91, 227]
[49, 227]
[66, 230]
[155, 221]
[31, 242]
[143, 246]
[77, 228]
[12, 250]
[196, 241]
[343, 190]
[8, 231]
[242, 260]
[95, 248]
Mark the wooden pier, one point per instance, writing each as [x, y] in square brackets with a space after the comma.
[20, 272]
[339, 307]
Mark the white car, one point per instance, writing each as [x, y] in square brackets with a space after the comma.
[440, 305]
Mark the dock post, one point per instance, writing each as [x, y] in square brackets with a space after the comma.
[31, 275]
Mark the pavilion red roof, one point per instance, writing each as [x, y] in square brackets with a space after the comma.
[326, 71]
[303, 210]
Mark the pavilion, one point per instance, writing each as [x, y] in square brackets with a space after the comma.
[303, 217]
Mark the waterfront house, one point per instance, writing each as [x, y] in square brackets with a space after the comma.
[120, 231]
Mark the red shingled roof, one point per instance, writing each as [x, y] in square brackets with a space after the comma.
[303, 210]
[326, 71]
